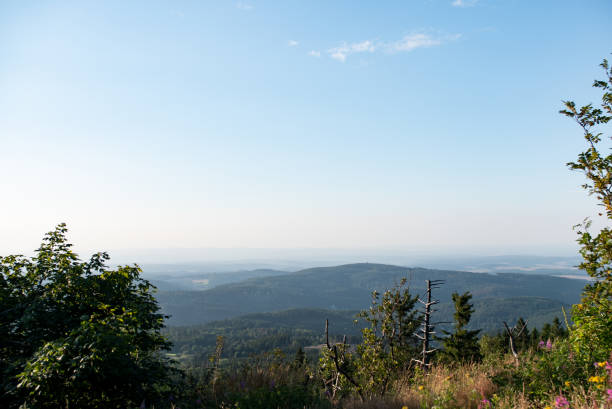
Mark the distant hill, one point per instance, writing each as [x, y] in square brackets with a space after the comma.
[348, 287]
[301, 327]
[262, 332]
[193, 281]
[523, 264]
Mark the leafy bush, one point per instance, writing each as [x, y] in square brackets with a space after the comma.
[77, 334]
[592, 331]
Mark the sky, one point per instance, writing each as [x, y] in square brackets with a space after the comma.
[407, 126]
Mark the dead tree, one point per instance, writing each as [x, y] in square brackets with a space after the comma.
[514, 333]
[427, 326]
[337, 356]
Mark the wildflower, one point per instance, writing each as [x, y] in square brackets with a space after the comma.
[404, 407]
[609, 392]
[597, 379]
[484, 403]
[541, 344]
[600, 364]
[568, 384]
[548, 344]
[561, 402]
[420, 387]
[547, 407]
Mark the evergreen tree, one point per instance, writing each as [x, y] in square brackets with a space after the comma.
[300, 358]
[534, 338]
[462, 344]
[521, 342]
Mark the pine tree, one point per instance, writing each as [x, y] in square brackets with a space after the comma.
[462, 344]
[300, 358]
[522, 340]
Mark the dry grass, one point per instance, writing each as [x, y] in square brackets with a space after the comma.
[464, 386]
[468, 386]
[377, 403]
[444, 387]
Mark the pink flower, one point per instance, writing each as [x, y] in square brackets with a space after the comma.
[609, 392]
[548, 344]
[561, 402]
[484, 403]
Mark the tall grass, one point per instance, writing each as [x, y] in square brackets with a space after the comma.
[271, 382]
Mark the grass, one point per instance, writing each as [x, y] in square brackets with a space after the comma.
[272, 382]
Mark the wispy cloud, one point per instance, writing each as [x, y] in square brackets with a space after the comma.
[414, 41]
[419, 40]
[464, 3]
[407, 43]
[340, 53]
[292, 43]
[244, 6]
[314, 53]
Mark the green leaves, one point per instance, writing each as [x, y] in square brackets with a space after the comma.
[389, 343]
[77, 333]
[591, 335]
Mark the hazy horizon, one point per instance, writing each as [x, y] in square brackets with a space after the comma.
[303, 255]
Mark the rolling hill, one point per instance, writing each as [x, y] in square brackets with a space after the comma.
[348, 287]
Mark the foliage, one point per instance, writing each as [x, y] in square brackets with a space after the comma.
[386, 350]
[461, 345]
[336, 385]
[268, 380]
[77, 334]
[592, 331]
[389, 344]
[494, 346]
[196, 344]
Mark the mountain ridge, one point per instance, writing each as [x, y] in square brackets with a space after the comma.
[348, 287]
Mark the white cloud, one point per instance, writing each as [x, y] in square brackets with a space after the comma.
[314, 53]
[464, 3]
[407, 43]
[413, 41]
[244, 6]
[340, 53]
[292, 43]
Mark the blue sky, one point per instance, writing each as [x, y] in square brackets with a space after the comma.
[400, 125]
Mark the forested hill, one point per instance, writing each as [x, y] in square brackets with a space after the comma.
[348, 287]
